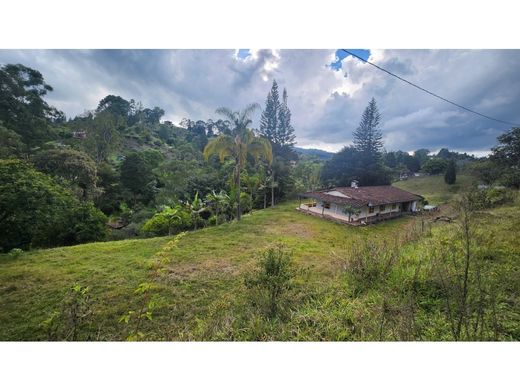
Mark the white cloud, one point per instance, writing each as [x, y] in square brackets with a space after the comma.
[326, 104]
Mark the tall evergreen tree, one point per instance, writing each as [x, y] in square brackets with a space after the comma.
[285, 131]
[269, 118]
[451, 172]
[368, 139]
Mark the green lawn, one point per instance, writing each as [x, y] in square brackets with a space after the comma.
[433, 188]
[207, 264]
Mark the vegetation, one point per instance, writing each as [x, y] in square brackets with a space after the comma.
[37, 212]
[450, 176]
[272, 274]
[362, 161]
[368, 283]
[239, 145]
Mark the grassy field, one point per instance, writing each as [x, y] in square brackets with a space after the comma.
[433, 188]
[202, 294]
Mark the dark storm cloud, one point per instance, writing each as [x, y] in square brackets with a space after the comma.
[326, 103]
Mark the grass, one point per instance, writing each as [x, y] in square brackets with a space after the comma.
[207, 264]
[433, 188]
[203, 294]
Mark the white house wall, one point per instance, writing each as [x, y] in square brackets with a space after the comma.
[338, 209]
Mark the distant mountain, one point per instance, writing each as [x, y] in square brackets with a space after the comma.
[321, 154]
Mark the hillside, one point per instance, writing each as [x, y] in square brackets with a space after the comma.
[317, 153]
[433, 188]
[203, 296]
[208, 265]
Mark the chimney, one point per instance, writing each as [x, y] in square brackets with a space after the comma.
[354, 184]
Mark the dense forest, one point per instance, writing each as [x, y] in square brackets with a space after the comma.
[119, 170]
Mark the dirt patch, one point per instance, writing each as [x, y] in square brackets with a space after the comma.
[291, 229]
[214, 268]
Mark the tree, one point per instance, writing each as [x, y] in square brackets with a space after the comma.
[434, 166]
[486, 170]
[239, 145]
[11, 145]
[35, 211]
[22, 107]
[412, 163]
[74, 167]
[507, 151]
[390, 159]
[152, 116]
[422, 155]
[103, 136]
[368, 137]
[444, 153]
[217, 203]
[115, 105]
[348, 165]
[507, 155]
[275, 125]
[285, 131]
[270, 116]
[451, 172]
[138, 178]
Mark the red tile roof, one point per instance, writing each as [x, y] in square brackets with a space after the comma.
[365, 196]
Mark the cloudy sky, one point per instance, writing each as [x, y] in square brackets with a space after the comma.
[327, 93]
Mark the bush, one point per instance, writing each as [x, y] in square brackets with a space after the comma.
[15, 252]
[170, 220]
[37, 211]
[272, 280]
[73, 322]
[491, 197]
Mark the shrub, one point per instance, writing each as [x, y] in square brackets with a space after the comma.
[491, 197]
[272, 280]
[15, 252]
[73, 322]
[170, 220]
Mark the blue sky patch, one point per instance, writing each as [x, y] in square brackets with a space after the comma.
[341, 55]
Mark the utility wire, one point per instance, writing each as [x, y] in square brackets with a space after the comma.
[429, 92]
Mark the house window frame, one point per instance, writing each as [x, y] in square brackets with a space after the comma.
[371, 209]
[382, 208]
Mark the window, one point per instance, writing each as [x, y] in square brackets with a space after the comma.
[394, 206]
[370, 210]
[326, 205]
[382, 207]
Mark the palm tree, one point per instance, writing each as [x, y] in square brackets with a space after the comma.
[241, 143]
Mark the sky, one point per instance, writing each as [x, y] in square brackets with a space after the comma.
[328, 90]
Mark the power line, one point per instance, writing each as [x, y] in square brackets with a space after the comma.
[429, 92]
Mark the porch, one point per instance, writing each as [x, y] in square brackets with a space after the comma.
[327, 214]
[317, 210]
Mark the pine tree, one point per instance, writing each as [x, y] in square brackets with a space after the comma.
[269, 118]
[368, 136]
[451, 173]
[285, 130]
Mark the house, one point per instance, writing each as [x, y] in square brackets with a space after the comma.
[359, 205]
[79, 134]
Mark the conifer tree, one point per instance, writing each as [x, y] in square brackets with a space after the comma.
[269, 118]
[451, 172]
[285, 130]
[368, 137]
